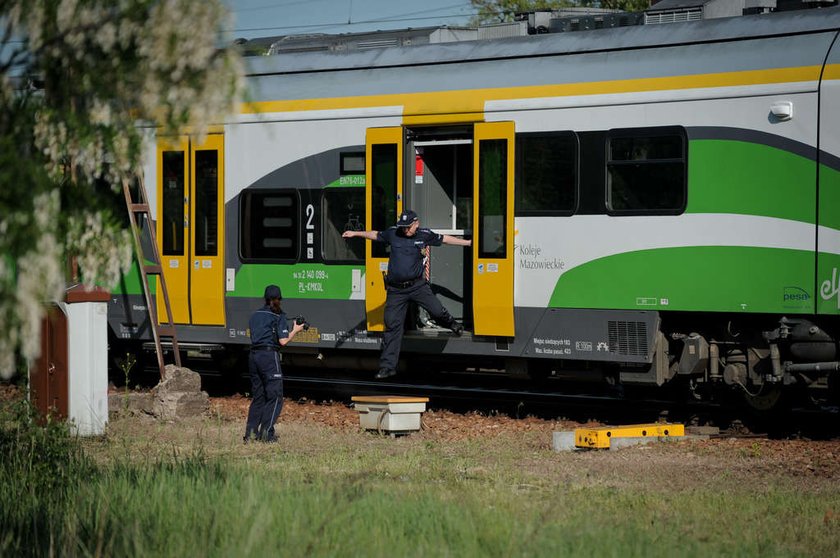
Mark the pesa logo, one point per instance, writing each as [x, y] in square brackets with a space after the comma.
[795, 297]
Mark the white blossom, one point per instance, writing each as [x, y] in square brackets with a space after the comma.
[85, 129]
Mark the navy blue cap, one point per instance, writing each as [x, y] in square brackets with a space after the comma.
[272, 292]
[406, 218]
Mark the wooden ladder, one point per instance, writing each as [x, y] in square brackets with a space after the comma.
[158, 329]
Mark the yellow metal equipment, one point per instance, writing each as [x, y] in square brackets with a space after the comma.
[600, 437]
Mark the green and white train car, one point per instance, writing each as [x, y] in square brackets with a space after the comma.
[650, 204]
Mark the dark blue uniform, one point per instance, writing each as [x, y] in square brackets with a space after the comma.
[406, 282]
[267, 328]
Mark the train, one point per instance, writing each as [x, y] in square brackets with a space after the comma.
[650, 205]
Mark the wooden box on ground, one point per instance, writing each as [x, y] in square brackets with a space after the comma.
[390, 413]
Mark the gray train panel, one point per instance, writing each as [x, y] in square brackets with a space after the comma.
[564, 334]
[508, 71]
[596, 335]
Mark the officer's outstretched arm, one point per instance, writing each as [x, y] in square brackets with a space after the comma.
[295, 328]
[455, 241]
[370, 235]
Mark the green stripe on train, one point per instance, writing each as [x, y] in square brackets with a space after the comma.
[130, 283]
[829, 197]
[297, 281]
[750, 179]
[702, 278]
[348, 181]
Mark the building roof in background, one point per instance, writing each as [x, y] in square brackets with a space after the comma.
[677, 5]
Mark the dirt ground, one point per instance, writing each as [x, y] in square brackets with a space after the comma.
[802, 459]
[791, 457]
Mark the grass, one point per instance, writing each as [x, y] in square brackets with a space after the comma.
[192, 489]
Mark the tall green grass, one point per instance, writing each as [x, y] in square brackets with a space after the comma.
[419, 501]
[41, 470]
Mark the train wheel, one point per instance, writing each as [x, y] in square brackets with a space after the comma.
[769, 398]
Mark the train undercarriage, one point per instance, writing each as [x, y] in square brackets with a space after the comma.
[769, 365]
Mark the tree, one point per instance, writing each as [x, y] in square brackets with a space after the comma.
[79, 79]
[625, 5]
[499, 11]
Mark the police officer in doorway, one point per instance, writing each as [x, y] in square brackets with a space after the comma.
[405, 282]
[269, 331]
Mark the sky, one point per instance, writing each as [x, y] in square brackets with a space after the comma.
[266, 18]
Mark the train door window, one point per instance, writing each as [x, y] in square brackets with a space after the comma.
[269, 224]
[492, 209]
[206, 202]
[173, 203]
[383, 192]
[464, 192]
[546, 173]
[646, 171]
[343, 209]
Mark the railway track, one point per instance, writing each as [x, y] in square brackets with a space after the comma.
[490, 393]
[580, 403]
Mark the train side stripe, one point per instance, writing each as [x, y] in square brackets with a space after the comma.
[583, 239]
[472, 101]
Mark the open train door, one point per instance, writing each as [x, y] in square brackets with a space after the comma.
[383, 200]
[492, 273]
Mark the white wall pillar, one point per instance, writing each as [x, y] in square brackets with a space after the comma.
[87, 326]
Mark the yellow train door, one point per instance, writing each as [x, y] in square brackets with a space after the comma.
[493, 163]
[173, 166]
[190, 228]
[383, 199]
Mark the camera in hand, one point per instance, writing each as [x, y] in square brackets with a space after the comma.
[300, 320]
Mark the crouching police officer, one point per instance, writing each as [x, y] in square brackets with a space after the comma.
[406, 282]
[269, 331]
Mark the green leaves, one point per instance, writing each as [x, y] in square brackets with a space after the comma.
[499, 11]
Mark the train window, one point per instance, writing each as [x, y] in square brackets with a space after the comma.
[646, 171]
[343, 209]
[173, 203]
[206, 202]
[463, 188]
[591, 175]
[269, 224]
[352, 163]
[492, 208]
[384, 192]
[546, 173]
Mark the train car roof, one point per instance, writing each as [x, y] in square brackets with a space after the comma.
[600, 40]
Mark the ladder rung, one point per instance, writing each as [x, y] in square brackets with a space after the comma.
[134, 209]
[166, 331]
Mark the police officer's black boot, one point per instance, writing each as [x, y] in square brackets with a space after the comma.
[446, 320]
[385, 373]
